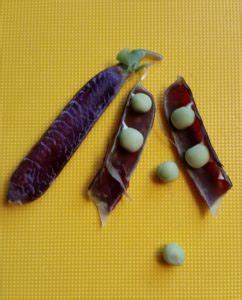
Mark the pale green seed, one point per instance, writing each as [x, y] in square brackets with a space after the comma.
[141, 103]
[197, 156]
[182, 117]
[173, 254]
[167, 171]
[131, 139]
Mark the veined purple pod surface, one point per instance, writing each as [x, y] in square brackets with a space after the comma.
[211, 179]
[47, 158]
[112, 180]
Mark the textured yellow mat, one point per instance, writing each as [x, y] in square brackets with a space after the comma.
[54, 248]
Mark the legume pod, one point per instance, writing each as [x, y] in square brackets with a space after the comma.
[211, 180]
[48, 157]
[112, 180]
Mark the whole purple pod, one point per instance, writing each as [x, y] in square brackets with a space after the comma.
[47, 158]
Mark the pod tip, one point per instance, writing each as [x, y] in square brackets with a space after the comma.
[214, 208]
[101, 207]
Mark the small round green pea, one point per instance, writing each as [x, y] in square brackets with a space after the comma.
[173, 254]
[141, 103]
[131, 139]
[182, 117]
[167, 171]
[197, 156]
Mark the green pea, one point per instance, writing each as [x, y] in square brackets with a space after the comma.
[173, 254]
[197, 156]
[182, 117]
[167, 171]
[141, 103]
[131, 139]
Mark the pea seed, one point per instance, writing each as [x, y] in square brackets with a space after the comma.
[141, 103]
[182, 117]
[173, 254]
[167, 171]
[197, 156]
[131, 139]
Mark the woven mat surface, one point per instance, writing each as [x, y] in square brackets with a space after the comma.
[55, 248]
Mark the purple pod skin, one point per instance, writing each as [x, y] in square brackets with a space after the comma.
[48, 157]
[112, 180]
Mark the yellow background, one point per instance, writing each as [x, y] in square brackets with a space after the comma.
[55, 248]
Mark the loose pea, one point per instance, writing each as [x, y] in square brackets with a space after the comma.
[167, 171]
[131, 139]
[141, 103]
[173, 254]
[197, 156]
[182, 117]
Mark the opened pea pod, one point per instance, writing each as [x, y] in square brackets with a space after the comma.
[123, 153]
[193, 144]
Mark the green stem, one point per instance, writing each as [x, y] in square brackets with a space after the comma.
[152, 54]
[131, 59]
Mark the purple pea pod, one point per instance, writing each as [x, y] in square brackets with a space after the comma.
[211, 180]
[112, 180]
[48, 157]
